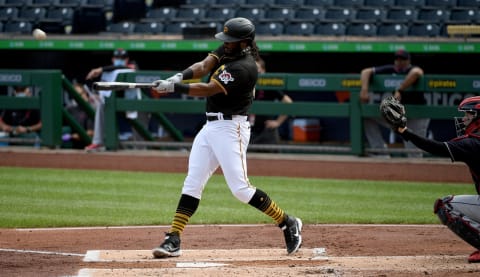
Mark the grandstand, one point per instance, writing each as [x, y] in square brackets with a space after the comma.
[305, 18]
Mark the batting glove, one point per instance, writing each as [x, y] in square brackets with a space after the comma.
[177, 78]
[164, 86]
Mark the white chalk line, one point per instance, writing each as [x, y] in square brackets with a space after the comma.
[40, 252]
[226, 226]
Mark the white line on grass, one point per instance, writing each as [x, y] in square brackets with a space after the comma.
[40, 252]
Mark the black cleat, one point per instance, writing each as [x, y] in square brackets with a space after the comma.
[169, 248]
[292, 231]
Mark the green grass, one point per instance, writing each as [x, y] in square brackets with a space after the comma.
[55, 198]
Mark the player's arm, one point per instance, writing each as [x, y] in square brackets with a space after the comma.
[434, 147]
[365, 76]
[413, 75]
[198, 69]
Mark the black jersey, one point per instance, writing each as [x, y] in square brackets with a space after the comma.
[238, 77]
[408, 97]
[462, 149]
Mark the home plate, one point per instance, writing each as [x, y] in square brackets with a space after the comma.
[205, 256]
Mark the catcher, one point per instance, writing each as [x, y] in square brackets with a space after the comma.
[460, 213]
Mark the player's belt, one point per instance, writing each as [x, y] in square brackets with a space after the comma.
[215, 117]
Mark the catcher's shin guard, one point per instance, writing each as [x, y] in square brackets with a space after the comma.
[466, 228]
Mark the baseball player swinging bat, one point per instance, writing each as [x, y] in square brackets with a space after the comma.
[120, 85]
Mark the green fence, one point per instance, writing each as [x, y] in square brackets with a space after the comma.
[50, 101]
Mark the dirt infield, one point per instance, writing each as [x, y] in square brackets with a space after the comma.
[351, 250]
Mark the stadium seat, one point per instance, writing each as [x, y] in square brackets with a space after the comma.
[401, 15]
[348, 3]
[424, 30]
[437, 15]
[69, 3]
[281, 14]
[54, 26]
[361, 29]
[409, 3]
[125, 28]
[151, 28]
[229, 3]
[340, 14]
[219, 14]
[441, 3]
[62, 14]
[176, 28]
[330, 29]
[15, 3]
[309, 14]
[160, 14]
[288, 3]
[371, 14]
[200, 3]
[318, 3]
[464, 16]
[259, 3]
[468, 3]
[18, 27]
[379, 3]
[299, 29]
[392, 30]
[269, 28]
[42, 3]
[8, 13]
[33, 14]
[189, 14]
[252, 13]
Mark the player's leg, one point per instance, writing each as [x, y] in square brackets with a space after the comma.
[374, 136]
[201, 165]
[98, 128]
[231, 152]
[461, 214]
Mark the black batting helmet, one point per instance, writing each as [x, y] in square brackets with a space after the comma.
[237, 29]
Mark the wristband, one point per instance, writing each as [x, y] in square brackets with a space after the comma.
[187, 74]
[181, 88]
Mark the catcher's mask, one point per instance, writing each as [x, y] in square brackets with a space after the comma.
[468, 123]
[237, 29]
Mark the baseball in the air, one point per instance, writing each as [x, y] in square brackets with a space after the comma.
[39, 34]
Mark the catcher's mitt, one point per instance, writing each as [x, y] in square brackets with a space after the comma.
[393, 112]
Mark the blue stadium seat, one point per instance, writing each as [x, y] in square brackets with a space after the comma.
[18, 27]
[340, 14]
[269, 28]
[309, 14]
[16, 3]
[436, 15]
[279, 13]
[200, 3]
[42, 3]
[299, 29]
[69, 3]
[424, 30]
[161, 14]
[371, 14]
[253, 13]
[468, 3]
[318, 3]
[33, 14]
[219, 13]
[392, 30]
[441, 3]
[125, 28]
[409, 3]
[464, 16]
[151, 28]
[8, 13]
[330, 29]
[260, 3]
[361, 29]
[401, 15]
[288, 3]
[189, 14]
[348, 3]
[176, 28]
[63, 14]
[380, 3]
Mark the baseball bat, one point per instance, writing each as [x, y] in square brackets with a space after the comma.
[120, 85]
